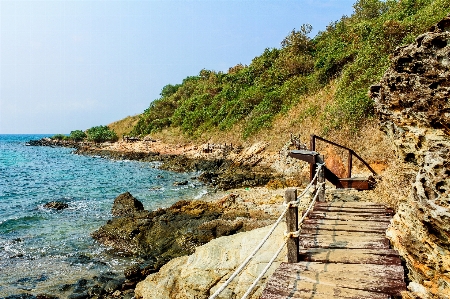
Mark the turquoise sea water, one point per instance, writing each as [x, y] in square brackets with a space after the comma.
[41, 249]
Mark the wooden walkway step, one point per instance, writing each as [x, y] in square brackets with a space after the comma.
[344, 254]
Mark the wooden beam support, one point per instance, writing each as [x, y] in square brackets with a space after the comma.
[321, 179]
[293, 254]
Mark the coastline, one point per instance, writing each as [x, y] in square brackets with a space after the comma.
[247, 194]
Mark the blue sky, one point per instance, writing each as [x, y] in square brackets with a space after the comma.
[68, 65]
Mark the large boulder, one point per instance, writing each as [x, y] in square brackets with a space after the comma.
[163, 234]
[125, 204]
[202, 273]
[412, 101]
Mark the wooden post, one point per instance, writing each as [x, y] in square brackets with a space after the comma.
[321, 179]
[293, 253]
[350, 162]
[312, 166]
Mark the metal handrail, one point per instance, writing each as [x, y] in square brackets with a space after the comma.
[351, 153]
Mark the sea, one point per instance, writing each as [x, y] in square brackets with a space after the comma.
[43, 249]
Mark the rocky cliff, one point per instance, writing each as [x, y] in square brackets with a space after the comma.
[413, 103]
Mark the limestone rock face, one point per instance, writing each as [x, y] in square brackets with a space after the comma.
[202, 273]
[413, 103]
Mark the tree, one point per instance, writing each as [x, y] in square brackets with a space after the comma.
[101, 134]
[77, 135]
[298, 41]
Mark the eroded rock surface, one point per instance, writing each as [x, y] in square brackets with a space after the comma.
[413, 103]
[202, 273]
[126, 204]
[167, 233]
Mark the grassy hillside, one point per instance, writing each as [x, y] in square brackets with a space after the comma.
[350, 55]
[124, 126]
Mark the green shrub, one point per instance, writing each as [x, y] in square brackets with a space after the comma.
[77, 135]
[59, 137]
[101, 134]
[354, 50]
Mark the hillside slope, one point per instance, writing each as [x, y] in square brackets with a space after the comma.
[340, 63]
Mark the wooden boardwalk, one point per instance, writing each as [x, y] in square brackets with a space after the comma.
[344, 253]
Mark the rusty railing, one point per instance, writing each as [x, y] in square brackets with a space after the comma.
[351, 153]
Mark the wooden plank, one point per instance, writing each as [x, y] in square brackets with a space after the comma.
[318, 291]
[314, 228]
[343, 212]
[330, 222]
[355, 256]
[349, 204]
[339, 241]
[344, 234]
[354, 210]
[365, 277]
[346, 255]
[354, 207]
[353, 217]
[304, 155]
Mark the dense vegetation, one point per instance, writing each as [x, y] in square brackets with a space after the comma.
[101, 134]
[95, 134]
[353, 50]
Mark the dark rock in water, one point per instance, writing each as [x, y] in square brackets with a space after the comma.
[79, 259]
[180, 183]
[81, 282]
[128, 295]
[132, 272]
[21, 296]
[130, 284]
[113, 285]
[105, 277]
[146, 271]
[53, 142]
[164, 234]
[45, 296]
[83, 295]
[125, 204]
[40, 142]
[56, 205]
[96, 290]
[65, 287]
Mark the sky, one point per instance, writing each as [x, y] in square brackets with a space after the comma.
[71, 65]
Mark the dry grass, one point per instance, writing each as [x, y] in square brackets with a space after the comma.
[173, 136]
[295, 121]
[303, 119]
[124, 126]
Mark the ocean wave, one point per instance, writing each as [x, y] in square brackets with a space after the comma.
[19, 222]
[201, 194]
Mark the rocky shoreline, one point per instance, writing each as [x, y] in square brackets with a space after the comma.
[219, 171]
[222, 167]
[164, 234]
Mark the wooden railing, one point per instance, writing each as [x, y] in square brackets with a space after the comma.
[351, 153]
[292, 216]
